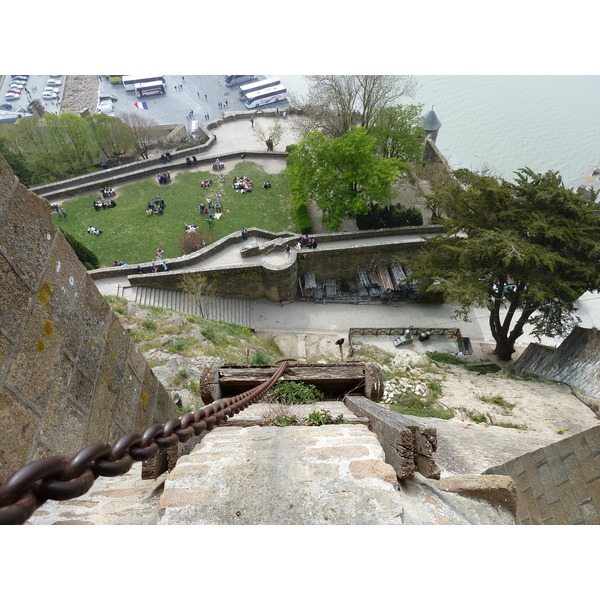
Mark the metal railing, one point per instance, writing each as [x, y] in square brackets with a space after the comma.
[60, 478]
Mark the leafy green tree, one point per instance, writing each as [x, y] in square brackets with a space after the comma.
[342, 175]
[525, 250]
[113, 137]
[399, 133]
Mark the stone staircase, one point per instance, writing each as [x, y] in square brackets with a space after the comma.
[231, 310]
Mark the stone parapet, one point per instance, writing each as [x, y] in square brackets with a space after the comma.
[558, 484]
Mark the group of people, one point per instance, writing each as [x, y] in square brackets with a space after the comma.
[93, 230]
[156, 207]
[107, 192]
[191, 228]
[206, 183]
[165, 157]
[191, 161]
[266, 185]
[99, 205]
[306, 242]
[154, 266]
[119, 263]
[242, 184]
[164, 178]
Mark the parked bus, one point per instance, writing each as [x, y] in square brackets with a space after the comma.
[231, 80]
[266, 96]
[150, 88]
[257, 85]
[129, 81]
[115, 78]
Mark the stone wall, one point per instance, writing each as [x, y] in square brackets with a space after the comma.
[69, 373]
[574, 362]
[558, 484]
[75, 186]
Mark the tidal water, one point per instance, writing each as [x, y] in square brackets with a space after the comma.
[505, 122]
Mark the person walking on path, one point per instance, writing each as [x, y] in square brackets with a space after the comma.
[244, 234]
[252, 121]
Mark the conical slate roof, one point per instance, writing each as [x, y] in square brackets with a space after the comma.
[430, 121]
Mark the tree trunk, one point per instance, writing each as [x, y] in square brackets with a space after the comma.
[504, 349]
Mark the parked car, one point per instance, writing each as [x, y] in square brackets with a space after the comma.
[12, 96]
[108, 97]
[16, 86]
[50, 95]
[6, 105]
[54, 82]
[20, 77]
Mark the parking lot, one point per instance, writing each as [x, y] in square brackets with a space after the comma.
[188, 97]
[202, 94]
[33, 88]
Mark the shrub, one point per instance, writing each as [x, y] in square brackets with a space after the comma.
[292, 392]
[479, 418]
[303, 218]
[260, 357]
[380, 217]
[323, 417]
[191, 242]
[84, 254]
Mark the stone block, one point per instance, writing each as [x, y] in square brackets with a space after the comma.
[376, 469]
[14, 294]
[555, 462]
[527, 506]
[570, 504]
[19, 430]
[576, 479]
[560, 517]
[590, 512]
[499, 490]
[546, 479]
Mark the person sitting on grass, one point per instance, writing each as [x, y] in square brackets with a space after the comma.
[93, 230]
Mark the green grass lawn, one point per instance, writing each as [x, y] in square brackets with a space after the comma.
[132, 237]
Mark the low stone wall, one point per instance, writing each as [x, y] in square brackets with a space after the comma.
[574, 362]
[558, 484]
[118, 175]
[70, 375]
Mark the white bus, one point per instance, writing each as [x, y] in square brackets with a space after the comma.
[231, 80]
[257, 85]
[150, 88]
[129, 81]
[266, 96]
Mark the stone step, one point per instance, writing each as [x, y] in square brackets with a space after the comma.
[231, 310]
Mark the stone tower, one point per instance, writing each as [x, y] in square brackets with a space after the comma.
[431, 124]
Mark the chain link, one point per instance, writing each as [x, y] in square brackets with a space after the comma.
[60, 478]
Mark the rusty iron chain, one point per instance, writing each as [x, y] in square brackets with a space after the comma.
[60, 478]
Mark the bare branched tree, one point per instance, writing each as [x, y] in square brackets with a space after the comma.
[270, 137]
[201, 288]
[145, 132]
[334, 103]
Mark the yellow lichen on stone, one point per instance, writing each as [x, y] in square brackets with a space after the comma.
[48, 328]
[144, 398]
[40, 345]
[44, 294]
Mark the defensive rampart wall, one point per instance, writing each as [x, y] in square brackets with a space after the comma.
[70, 375]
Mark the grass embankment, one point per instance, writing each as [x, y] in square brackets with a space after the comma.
[132, 237]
